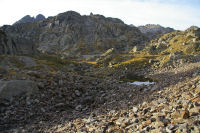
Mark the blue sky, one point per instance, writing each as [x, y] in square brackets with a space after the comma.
[178, 14]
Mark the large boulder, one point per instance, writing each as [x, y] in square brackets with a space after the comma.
[9, 89]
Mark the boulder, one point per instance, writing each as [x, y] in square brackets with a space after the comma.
[9, 89]
[29, 62]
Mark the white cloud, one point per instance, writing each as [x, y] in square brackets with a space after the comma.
[136, 12]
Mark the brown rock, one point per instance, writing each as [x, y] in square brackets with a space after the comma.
[196, 99]
[195, 110]
[185, 114]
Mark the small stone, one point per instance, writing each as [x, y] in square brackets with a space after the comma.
[43, 110]
[91, 129]
[40, 85]
[197, 104]
[36, 100]
[197, 90]
[78, 108]
[195, 129]
[153, 119]
[183, 128]
[185, 114]
[77, 92]
[60, 82]
[136, 121]
[170, 127]
[158, 124]
[197, 122]
[196, 99]
[59, 105]
[175, 115]
[146, 110]
[28, 102]
[155, 130]
[195, 110]
[119, 121]
[146, 123]
[135, 109]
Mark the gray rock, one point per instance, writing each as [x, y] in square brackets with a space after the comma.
[79, 107]
[77, 92]
[135, 109]
[29, 62]
[9, 89]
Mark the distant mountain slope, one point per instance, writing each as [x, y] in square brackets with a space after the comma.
[186, 42]
[28, 18]
[71, 34]
[173, 48]
[154, 31]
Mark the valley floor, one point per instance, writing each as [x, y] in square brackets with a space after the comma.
[75, 103]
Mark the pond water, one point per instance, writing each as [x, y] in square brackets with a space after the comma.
[138, 80]
[141, 83]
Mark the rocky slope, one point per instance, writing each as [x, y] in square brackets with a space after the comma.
[75, 100]
[28, 19]
[154, 31]
[172, 48]
[70, 34]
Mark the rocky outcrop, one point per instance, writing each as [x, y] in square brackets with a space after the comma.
[177, 47]
[7, 46]
[28, 18]
[9, 89]
[12, 42]
[70, 34]
[154, 31]
[178, 42]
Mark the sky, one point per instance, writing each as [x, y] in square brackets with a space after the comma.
[178, 14]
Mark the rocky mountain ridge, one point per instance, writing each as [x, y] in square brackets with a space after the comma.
[28, 19]
[70, 33]
[154, 31]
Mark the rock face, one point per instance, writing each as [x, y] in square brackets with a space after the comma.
[12, 43]
[6, 44]
[9, 89]
[69, 34]
[28, 18]
[154, 31]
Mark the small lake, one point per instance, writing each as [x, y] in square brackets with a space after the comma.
[141, 83]
[138, 80]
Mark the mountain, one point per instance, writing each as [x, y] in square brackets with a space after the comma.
[154, 31]
[40, 17]
[28, 19]
[73, 73]
[70, 34]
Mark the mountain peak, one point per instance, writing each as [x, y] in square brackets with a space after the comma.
[28, 18]
[39, 17]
